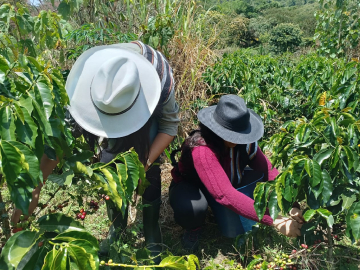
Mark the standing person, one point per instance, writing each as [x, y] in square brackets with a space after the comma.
[125, 92]
[219, 166]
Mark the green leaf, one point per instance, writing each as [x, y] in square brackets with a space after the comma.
[91, 251]
[113, 184]
[78, 235]
[81, 168]
[7, 131]
[309, 214]
[61, 260]
[44, 87]
[35, 63]
[21, 191]
[27, 131]
[327, 215]
[315, 177]
[12, 160]
[81, 258]
[26, 102]
[353, 220]
[260, 203]
[174, 262]
[4, 65]
[142, 175]
[5, 254]
[133, 174]
[49, 259]
[327, 186]
[19, 113]
[35, 262]
[322, 155]
[18, 247]
[335, 157]
[273, 205]
[279, 188]
[40, 116]
[349, 156]
[33, 166]
[63, 179]
[334, 127]
[59, 223]
[288, 194]
[64, 9]
[142, 254]
[194, 261]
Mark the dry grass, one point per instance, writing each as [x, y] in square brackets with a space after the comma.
[189, 58]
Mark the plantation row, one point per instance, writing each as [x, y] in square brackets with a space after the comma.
[309, 106]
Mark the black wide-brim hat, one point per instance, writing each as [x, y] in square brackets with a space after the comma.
[232, 121]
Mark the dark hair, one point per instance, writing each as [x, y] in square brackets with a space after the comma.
[205, 136]
[140, 140]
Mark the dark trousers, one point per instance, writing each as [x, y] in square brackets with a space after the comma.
[153, 175]
[190, 202]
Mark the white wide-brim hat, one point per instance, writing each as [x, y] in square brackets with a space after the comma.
[113, 91]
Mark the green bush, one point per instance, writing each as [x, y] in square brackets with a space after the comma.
[285, 37]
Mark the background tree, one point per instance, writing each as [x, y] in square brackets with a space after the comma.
[285, 37]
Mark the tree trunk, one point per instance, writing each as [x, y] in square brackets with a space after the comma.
[330, 257]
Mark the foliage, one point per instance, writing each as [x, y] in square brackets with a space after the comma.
[269, 86]
[337, 29]
[32, 109]
[159, 31]
[90, 35]
[21, 33]
[32, 102]
[285, 37]
[303, 16]
[321, 161]
[238, 32]
[58, 241]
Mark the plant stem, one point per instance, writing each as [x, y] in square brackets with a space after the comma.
[4, 218]
[330, 257]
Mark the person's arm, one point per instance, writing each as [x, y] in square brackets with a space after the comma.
[161, 141]
[219, 186]
[168, 127]
[46, 166]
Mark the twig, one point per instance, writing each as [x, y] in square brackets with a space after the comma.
[51, 197]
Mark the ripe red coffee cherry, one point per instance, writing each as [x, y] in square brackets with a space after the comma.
[79, 216]
[81, 210]
[107, 197]
[82, 217]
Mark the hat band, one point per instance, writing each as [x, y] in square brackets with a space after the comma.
[239, 126]
[121, 112]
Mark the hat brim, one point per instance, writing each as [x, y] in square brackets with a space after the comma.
[88, 116]
[253, 133]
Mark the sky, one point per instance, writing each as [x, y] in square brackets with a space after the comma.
[34, 2]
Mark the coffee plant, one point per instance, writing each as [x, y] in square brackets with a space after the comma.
[337, 28]
[320, 160]
[318, 152]
[33, 105]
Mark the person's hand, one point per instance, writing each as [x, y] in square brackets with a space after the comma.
[287, 226]
[296, 214]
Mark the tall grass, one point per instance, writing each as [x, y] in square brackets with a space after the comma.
[189, 52]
